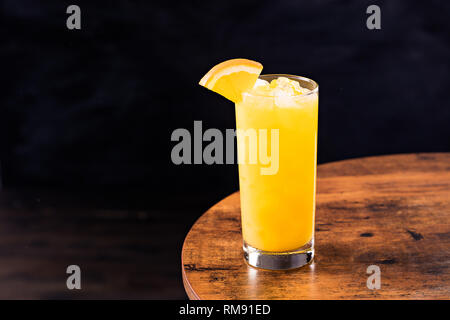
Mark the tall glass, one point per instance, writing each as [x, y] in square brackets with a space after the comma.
[278, 196]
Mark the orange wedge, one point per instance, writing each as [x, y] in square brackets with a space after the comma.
[232, 77]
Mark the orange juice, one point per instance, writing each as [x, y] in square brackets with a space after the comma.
[278, 204]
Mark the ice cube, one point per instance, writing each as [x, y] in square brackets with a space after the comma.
[261, 83]
[283, 97]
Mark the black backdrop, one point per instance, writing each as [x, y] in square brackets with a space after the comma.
[94, 109]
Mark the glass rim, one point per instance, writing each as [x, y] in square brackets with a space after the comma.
[289, 76]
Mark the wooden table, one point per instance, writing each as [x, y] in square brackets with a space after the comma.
[390, 211]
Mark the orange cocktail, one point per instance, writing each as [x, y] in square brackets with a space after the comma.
[276, 118]
[278, 198]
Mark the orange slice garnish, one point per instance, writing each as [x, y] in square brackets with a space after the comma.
[233, 77]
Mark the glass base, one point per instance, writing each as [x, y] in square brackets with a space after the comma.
[279, 260]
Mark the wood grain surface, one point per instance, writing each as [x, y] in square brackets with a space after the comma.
[390, 211]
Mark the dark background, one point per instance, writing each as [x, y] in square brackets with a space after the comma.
[91, 111]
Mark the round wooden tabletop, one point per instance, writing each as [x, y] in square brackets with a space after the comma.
[389, 211]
